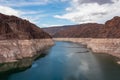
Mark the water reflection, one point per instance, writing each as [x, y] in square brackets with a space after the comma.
[20, 65]
[83, 67]
[69, 61]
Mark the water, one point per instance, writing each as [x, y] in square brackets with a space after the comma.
[70, 61]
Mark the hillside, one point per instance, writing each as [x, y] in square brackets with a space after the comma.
[12, 27]
[55, 29]
[111, 29]
[83, 30]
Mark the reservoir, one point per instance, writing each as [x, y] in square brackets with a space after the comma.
[70, 61]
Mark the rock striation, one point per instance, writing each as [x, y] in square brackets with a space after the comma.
[21, 39]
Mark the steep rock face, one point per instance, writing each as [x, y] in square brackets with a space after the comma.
[15, 50]
[21, 39]
[112, 28]
[115, 22]
[12, 27]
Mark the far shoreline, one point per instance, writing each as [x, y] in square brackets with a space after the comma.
[108, 46]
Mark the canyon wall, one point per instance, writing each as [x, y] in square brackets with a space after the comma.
[14, 50]
[98, 45]
[17, 55]
[20, 39]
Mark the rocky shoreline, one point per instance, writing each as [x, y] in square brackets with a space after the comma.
[14, 50]
[18, 55]
[98, 45]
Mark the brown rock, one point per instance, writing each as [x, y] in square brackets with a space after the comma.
[111, 29]
[21, 39]
[12, 27]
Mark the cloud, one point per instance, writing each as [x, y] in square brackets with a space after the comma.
[19, 3]
[91, 12]
[9, 11]
[94, 1]
[29, 9]
[49, 25]
[32, 16]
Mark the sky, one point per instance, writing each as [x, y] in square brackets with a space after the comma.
[47, 13]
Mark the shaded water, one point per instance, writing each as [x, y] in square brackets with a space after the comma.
[70, 61]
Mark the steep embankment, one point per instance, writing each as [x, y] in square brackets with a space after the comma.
[21, 39]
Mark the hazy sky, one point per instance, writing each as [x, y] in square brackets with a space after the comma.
[47, 13]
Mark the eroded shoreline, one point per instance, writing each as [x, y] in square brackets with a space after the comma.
[19, 54]
[98, 45]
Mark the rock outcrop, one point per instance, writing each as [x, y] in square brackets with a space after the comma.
[21, 39]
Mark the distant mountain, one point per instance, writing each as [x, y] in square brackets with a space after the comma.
[111, 29]
[54, 30]
[83, 30]
[12, 27]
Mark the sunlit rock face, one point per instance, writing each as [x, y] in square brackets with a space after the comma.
[14, 50]
[21, 39]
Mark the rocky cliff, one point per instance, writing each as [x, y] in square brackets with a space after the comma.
[12, 27]
[21, 39]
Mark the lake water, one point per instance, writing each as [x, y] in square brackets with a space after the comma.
[70, 61]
